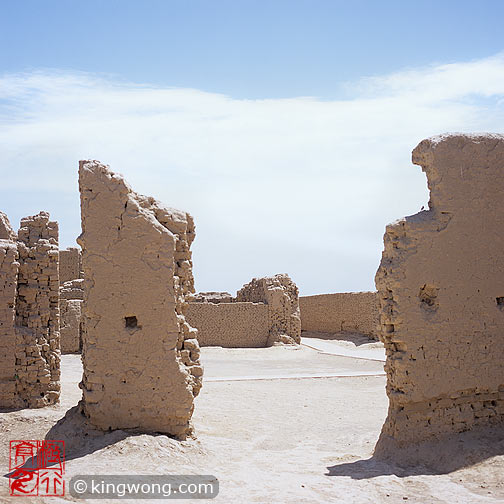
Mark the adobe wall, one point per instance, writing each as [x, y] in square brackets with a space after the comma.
[281, 295]
[71, 298]
[140, 356]
[70, 264]
[341, 312]
[8, 287]
[441, 290]
[37, 312]
[230, 325]
[29, 313]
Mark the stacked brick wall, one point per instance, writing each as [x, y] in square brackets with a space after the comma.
[70, 264]
[29, 313]
[341, 312]
[230, 325]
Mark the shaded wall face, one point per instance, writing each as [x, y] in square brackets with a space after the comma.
[8, 287]
[340, 312]
[230, 325]
[441, 290]
[140, 357]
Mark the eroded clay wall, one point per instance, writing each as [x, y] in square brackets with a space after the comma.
[340, 312]
[230, 325]
[281, 295]
[441, 290]
[140, 356]
[70, 264]
[37, 312]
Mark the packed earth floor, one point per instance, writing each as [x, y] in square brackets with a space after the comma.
[284, 424]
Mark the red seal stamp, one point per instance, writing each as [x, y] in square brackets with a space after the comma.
[36, 468]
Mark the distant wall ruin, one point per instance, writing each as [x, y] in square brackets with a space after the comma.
[341, 312]
[71, 299]
[230, 325]
[281, 295]
[70, 264]
[264, 312]
[441, 290]
[29, 311]
[140, 356]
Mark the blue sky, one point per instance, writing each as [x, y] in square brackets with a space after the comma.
[246, 48]
[284, 127]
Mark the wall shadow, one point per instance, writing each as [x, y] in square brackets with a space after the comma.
[80, 437]
[356, 338]
[441, 456]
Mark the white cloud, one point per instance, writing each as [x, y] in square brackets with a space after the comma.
[300, 185]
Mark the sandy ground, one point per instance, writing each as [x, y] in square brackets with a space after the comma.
[278, 439]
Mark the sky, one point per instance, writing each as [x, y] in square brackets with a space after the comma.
[284, 127]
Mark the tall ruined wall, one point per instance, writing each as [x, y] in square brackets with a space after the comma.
[281, 295]
[441, 290]
[37, 312]
[140, 357]
[341, 312]
[8, 289]
[70, 264]
[230, 325]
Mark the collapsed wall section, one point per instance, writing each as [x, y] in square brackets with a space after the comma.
[340, 312]
[281, 295]
[140, 356]
[441, 290]
[230, 325]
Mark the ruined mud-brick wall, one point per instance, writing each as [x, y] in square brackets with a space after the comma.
[70, 264]
[140, 356]
[212, 297]
[37, 312]
[8, 288]
[281, 295]
[29, 313]
[71, 298]
[230, 325]
[341, 312]
[441, 290]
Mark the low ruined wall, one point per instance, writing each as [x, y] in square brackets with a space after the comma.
[140, 356]
[441, 290]
[346, 311]
[70, 264]
[230, 325]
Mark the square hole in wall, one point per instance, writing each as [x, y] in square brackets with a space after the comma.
[500, 302]
[131, 322]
